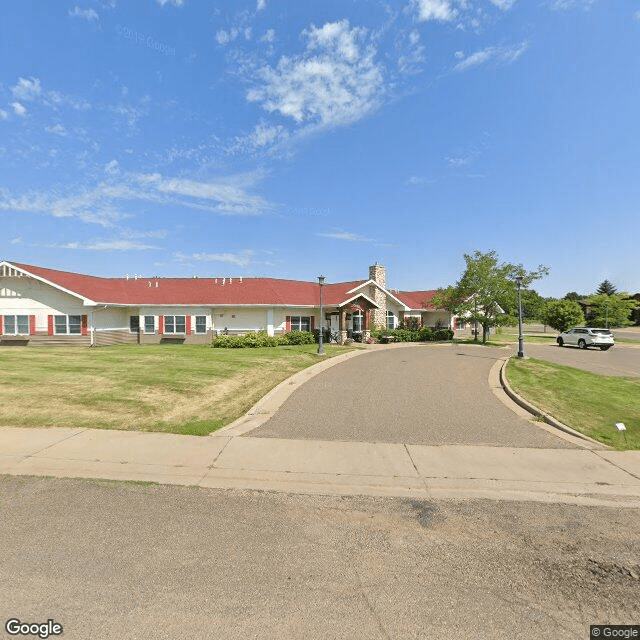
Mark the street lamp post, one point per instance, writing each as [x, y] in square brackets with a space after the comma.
[520, 338]
[320, 335]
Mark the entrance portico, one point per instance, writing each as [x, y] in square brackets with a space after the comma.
[351, 317]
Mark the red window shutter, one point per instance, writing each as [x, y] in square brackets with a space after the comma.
[288, 325]
[32, 325]
[85, 326]
[313, 323]
[188, 320]
[1, 319]
[160, 325]
[50, 325]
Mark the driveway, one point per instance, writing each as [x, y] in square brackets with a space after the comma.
[423, 395]
[621, 360]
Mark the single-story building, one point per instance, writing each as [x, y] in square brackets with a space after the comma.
[41, 306]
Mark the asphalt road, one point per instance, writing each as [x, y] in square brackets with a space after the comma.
[620, 360]
[123, 561]
[425, 394]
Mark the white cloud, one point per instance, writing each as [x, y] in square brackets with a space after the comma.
[335, 82]
[100, 204]
[500, 55]
[439, 10]
[269, 36]
[460, 161]
[19, 109]
[505, 5]
[27, 89]
[57, 130]
[636, 15]
[241, 259]
[107, 245]
[112, 168]
[344, 235]
[261, 5]
[85, 14]
[175, 3]
[225, 37]
[417, 181]
[565, 5]
[3, 114]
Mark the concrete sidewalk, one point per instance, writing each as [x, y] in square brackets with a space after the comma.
[576, 476]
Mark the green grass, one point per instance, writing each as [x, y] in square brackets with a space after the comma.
[186, 389]
[584, 401]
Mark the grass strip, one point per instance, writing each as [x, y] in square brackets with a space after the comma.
[185, 389]
[587, 402]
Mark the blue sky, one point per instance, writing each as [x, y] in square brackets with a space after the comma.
[289, 139]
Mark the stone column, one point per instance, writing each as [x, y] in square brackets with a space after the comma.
[343, 325]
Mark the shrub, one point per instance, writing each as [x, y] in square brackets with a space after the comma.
[326, 335]
[299, 337]
[441, 334]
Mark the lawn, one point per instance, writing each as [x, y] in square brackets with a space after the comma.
[187, 389]
[587, 402]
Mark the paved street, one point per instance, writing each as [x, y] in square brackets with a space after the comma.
[423, 394]
[122, 561]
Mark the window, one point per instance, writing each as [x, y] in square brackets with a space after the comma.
[460, 323]
[357, 321]
[175, 324]
[201, 324]
[134, 324]
[16, 325]
[391, 320]
[300, 323]
[68, 324]
[149, 324]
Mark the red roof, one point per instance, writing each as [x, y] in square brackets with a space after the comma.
[417, 299]
[195, 291]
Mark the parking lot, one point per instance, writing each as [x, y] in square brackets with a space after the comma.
[621, 360]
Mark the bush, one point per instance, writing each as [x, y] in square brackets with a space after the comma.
[326, 335]
[299, 337]
[441, 334]
[255, 339]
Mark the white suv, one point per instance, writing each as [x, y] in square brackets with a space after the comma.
[585, 337]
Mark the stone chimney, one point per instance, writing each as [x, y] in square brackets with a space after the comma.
[378, 273]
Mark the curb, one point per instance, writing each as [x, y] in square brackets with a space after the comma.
[550, 420]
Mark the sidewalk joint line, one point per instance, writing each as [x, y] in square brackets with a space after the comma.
[53, 444]
[633, 475]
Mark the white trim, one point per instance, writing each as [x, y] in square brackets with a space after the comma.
[385, 291]
[87, 302]
[360, 295]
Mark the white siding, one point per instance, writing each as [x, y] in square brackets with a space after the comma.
[26, 296]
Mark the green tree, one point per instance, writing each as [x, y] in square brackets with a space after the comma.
[611, 310]
[573, 295]
[486, 290]
[606, 289]
[562, 314]
[532, 305]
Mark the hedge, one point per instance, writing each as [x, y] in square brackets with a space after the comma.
[255, 339]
